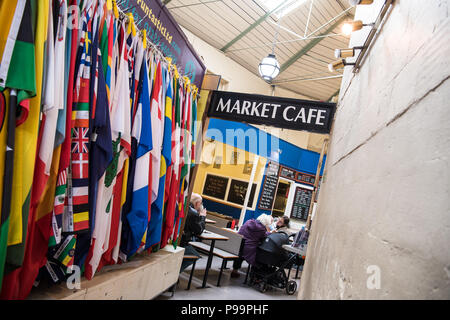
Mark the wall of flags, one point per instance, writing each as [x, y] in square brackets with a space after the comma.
[98, 129]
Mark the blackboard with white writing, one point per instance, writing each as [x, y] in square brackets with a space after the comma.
[302, 201]
[238, 190]
[215, 186]
[269, 186]
[287, 173]
[305, 178]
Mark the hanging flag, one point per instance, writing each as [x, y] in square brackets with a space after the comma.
[64, 161]
[7, 137]
[101, 154]
[19, 52]
[76, 214]
[66, 252]
[156, 115]
[120, 126]
[142, 132]
[28, 125]
[166, 159]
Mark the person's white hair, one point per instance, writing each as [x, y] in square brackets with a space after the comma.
[265, 219]
[195, 197]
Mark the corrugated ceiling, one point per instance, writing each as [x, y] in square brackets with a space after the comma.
[244, 30]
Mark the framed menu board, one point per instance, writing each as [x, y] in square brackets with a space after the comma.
[302, 201]
[287, 173]
[238, 190]
[215, 186]
[305, 178]
[269, 186]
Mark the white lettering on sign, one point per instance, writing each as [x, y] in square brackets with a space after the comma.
[236, 106]
[255, 109]
[245, 106]
[264, 110]
[275, 108]
[320, 116]
[222, 106]
[301, 115]
[285, 113]
[290, 113]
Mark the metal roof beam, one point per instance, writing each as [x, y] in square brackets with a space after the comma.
[254, 25]
[310, 45]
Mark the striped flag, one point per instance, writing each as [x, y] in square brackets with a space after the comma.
[142, 133]
[76, 215]
[66, 252]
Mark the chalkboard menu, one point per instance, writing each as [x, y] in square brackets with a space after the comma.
[238, 190]
[287, 173]
[305, 178]
[269, 187]
[215, 186]
[302, 201]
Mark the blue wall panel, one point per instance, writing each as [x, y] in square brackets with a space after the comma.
[263, 144]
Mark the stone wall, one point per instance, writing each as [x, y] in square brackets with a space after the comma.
[384, 206]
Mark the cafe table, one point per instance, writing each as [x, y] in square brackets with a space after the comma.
[208, 235]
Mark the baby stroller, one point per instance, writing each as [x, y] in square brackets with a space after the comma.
[271, 262]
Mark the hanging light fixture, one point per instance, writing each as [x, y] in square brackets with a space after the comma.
[339, 64]
[356, 2]
[269, 67]
[346, 53]
[349, 27]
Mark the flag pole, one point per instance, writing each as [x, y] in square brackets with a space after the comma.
[249, 191]
[198, 150]
[7, 178]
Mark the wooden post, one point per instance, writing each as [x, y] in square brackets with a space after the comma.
[198, 149]
[249, 191]
[316, 183]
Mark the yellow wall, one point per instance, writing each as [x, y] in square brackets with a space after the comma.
[211, 152]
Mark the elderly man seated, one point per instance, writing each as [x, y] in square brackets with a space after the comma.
[193, 227]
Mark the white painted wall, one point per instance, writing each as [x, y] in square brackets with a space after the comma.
[385, 200]
[239, 78]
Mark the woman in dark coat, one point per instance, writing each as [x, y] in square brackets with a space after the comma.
[253, 232]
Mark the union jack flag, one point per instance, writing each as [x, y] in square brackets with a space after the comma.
[80, 140]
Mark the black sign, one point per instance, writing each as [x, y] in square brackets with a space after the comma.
[287, 173]
[308, 115]
[305, 178]
[238, 190]
[163, 30]
[269, 186]
[215, 186]
[302, 201]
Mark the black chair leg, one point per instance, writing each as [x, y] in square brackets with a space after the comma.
[172, 289]
[246, 276]
[296, 273]
[190, 276]
[224, 262]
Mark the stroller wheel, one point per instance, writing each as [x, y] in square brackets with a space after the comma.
[291, 287]
[262, 287]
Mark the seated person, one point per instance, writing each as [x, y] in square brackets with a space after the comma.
[253, 232]
[193, 227]
[282, 224]
[271, 251]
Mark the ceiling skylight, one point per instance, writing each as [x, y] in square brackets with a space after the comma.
[270, 5]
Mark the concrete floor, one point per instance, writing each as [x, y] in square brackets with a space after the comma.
[230, 288]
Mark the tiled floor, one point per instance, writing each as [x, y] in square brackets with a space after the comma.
[230, 288]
